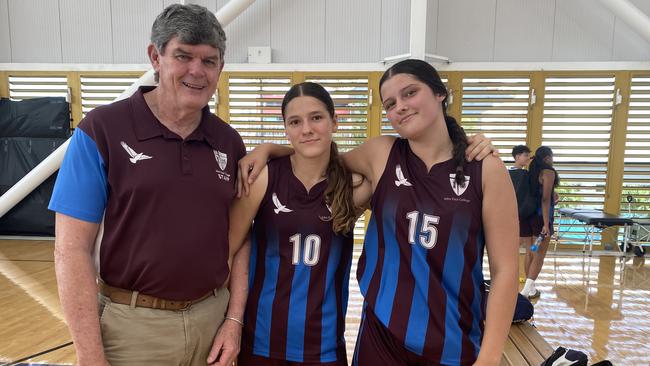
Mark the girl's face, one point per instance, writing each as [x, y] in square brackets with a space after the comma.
[309, 126]
[549, 159]
[411, 106]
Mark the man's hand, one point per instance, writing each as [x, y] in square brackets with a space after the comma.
[480, 147]
[225, 346]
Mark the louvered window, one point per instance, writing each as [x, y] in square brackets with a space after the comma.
[636, 179]
[25, 87]
[255, 108]
[498, 108]
[101, 90]
[350, 96]
[576, 126]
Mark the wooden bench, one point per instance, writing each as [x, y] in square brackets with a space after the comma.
[525, 346]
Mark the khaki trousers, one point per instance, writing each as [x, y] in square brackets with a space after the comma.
[142, 336]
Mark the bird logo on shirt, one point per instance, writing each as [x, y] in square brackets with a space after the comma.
[401, 180]
[134, 156]
[279, 207]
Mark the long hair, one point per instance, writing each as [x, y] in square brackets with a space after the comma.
[537, 165]
[338, 194]
[427, 74]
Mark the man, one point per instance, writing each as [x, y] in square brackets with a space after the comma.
[145, 189]
[525, 201]
[521, 154]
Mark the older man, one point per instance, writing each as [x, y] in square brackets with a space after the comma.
[145, 189]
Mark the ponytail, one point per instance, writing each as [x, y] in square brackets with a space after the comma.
[338, 194]
[459, 140]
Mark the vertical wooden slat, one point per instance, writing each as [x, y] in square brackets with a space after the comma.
[615, 166]
[74, 83]
[223, 109]
[455, 84]
[4, 84]
[374, 117]
[536, 111]
[297, 77]
[615, 162]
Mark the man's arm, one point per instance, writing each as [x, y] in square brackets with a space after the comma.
[76, 278]
[226, 344]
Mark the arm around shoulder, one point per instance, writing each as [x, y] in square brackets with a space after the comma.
[369, 159]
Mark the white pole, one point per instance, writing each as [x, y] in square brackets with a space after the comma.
[631, 15]
[47, 167]
[418, 42]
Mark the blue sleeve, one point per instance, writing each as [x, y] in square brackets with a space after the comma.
[81, 188]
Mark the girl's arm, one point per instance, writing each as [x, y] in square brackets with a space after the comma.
[361, 194]
[226, 343]
[502, 240]
[548, 180]
[367, 159]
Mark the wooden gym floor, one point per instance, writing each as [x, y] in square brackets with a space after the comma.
[597, 305]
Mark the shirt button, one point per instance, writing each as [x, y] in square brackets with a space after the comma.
[186, 158]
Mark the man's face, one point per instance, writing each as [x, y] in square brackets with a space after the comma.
[189, 73]
[522, 159]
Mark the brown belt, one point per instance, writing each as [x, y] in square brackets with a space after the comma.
[122, 296]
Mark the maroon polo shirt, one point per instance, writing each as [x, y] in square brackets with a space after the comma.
[166, 215]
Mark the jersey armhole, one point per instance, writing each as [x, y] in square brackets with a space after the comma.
[383, 174]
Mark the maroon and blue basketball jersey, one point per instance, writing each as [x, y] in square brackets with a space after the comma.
[421, 267]
[299, 274]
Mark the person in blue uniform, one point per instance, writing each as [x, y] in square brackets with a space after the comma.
[301, 243]
[433, 216]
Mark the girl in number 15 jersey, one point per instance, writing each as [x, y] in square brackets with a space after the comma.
[433, 214]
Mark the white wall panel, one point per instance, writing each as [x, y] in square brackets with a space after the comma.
[209, 4]
[628, 44]
[5, 41]
[433, 7]
[395, 27]
[466, 29]
[251, 28]
[353, 31]
[524, 30]
[307, 31]
[131, 22]
[583, 31]
[298, 31]
[86, 35]
[35, 30]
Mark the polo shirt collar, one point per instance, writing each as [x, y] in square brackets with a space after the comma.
[147, 126]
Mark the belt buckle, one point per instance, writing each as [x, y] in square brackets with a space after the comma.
[187, 306]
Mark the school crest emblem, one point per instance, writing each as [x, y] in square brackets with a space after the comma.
[222, 159]
[458, 189]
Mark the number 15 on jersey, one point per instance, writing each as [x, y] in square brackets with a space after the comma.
[427, 234]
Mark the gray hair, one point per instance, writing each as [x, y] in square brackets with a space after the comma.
[192, 24]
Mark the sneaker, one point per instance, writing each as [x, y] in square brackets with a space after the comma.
[533, 294]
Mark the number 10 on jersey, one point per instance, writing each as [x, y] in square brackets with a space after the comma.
[311, 251]
[427, 234]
